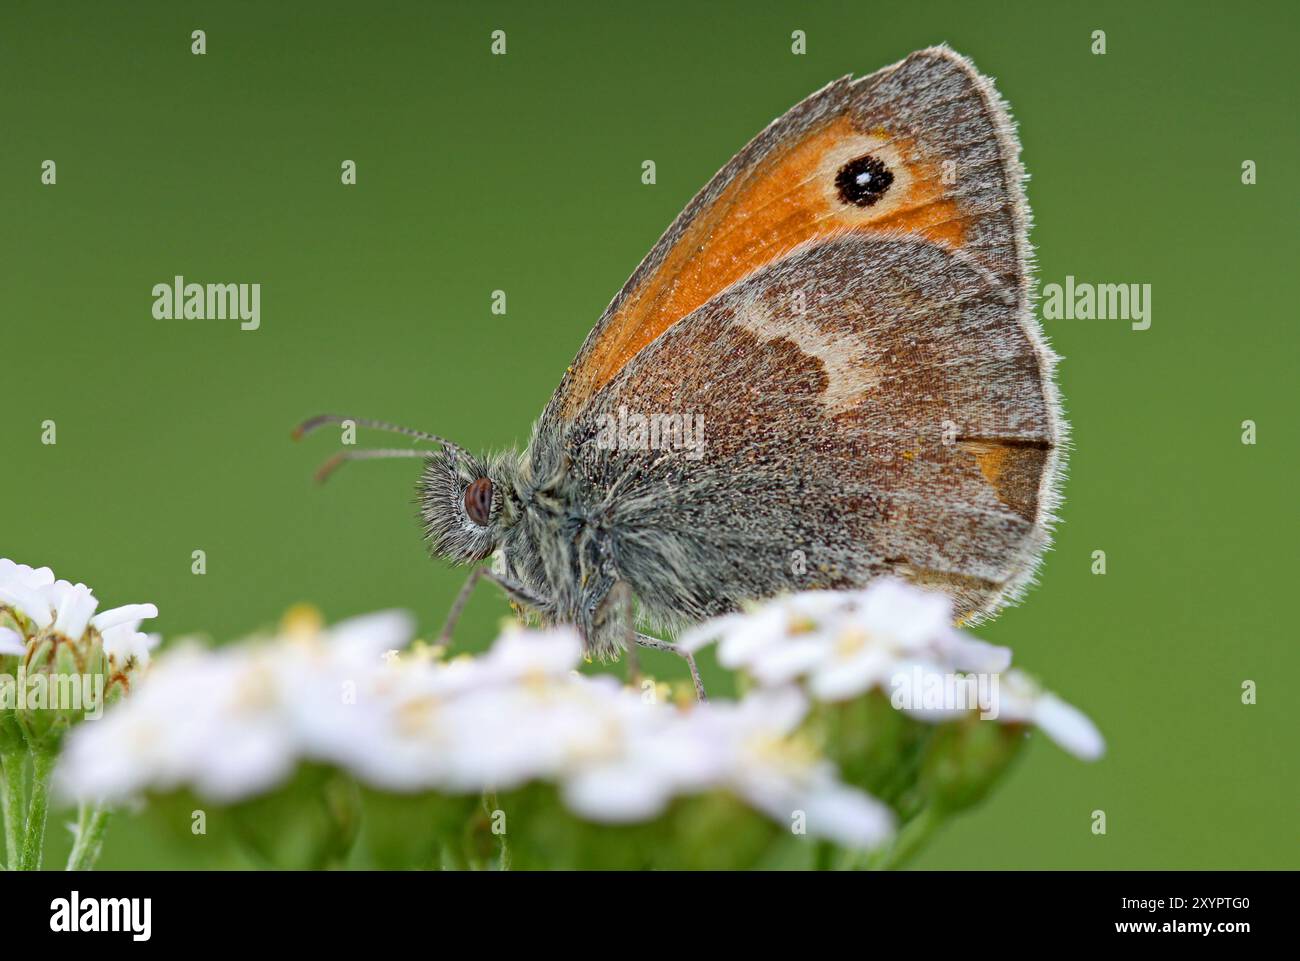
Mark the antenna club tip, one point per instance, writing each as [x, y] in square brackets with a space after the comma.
[326, 469]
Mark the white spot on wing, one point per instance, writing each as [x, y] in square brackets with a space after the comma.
[846, 363]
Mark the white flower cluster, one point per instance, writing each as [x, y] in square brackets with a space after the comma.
[234, 722]
[841, 644]
[37, 601]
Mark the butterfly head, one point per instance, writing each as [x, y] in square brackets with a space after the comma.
[464, 504]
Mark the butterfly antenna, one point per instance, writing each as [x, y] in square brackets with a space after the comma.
[320, 420]
[327, 469]
[337, 461]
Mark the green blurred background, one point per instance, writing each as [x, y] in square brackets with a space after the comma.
[522, 173]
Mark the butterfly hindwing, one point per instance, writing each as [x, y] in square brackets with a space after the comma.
[872, 403]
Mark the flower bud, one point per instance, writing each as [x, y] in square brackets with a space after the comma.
[126, 649]
[965, 758]
[60, 681]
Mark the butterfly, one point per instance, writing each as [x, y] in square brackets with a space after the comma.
[827, 370]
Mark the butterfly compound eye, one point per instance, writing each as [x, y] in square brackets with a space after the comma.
[478, 501]
[863, 181]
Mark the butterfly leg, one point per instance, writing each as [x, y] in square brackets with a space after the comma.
[645, 640]
[514, 590]
[458, 606]
[621, 593]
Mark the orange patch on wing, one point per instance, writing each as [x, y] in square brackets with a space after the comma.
[1013, 470]
[789, 199]
[991, 460]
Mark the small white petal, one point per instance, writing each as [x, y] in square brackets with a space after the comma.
[22, 576]
[969, 654]
[843, 678]
[909, 614]
[1069, 727]
[847, 816]
[76, 605]
[616, 794]
[373, 634]
[11, 642]
[706, 633]
[122, 642]
[786, 662]
[777, 710]
[30, 603]
[128, 613]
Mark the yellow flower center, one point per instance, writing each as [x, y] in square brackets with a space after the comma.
[851, 642]
[301, 620]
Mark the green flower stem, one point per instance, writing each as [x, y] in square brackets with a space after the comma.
[79, 830]
[824, 856]
[14, 804]
[490, 804]
[911, 838]
[90, 838]
[34, 842]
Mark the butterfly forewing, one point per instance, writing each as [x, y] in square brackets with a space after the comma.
[930, 126]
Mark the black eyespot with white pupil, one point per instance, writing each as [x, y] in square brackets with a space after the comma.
[863, 181]
[478, 501]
